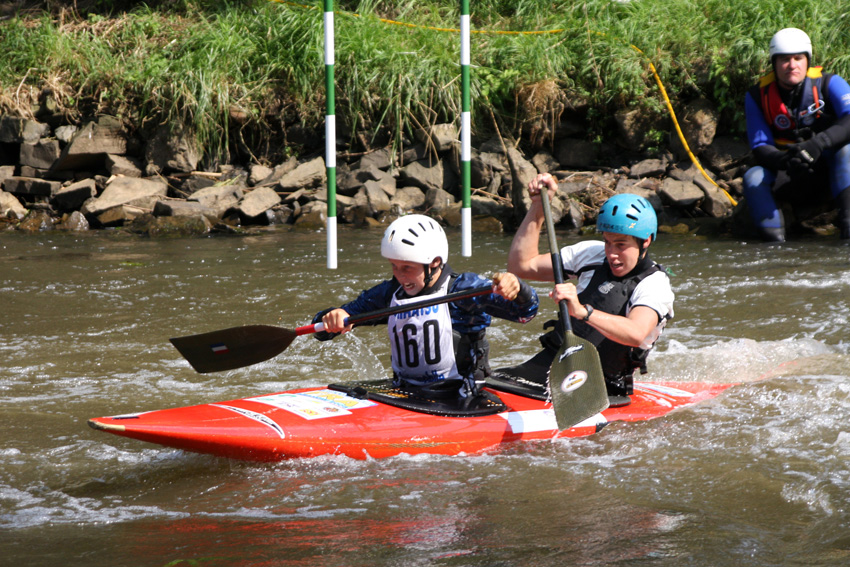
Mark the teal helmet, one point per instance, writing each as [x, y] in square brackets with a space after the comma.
[628, 214]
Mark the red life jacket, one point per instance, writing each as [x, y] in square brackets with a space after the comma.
[791, 124]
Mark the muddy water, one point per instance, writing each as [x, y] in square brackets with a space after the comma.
[758, 476]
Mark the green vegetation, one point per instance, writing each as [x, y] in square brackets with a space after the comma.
[240, 73]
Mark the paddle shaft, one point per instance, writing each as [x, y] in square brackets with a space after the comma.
[557, 263]
[387, 311]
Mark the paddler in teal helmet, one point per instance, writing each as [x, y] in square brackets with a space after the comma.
[442, 348]
[619, 299]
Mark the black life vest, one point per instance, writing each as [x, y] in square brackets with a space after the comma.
[611, 295]
[793, 125]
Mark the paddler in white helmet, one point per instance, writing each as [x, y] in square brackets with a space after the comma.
[444, 347]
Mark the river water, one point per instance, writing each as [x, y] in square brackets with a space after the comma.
[758, 476]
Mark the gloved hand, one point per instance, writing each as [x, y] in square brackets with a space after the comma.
[810, 150]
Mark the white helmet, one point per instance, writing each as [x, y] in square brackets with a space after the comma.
[415, 238]
[789, 41]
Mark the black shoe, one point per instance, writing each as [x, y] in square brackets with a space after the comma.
[618, 401]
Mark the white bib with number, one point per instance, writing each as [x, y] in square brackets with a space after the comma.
[421, 340]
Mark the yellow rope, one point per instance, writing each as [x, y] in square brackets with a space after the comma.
[694, 159]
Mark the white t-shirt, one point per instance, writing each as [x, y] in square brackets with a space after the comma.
[654, 291]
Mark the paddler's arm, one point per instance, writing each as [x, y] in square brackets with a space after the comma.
[630, 330]
[372, 299]
[475, 311]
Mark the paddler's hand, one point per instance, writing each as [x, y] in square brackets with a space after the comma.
[568, 292]
[334, 321]
[506, 284]
[542, 181]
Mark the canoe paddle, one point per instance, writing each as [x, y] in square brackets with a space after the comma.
[576, 381]
[238, 347]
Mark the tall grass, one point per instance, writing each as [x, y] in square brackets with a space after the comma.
[205, 62]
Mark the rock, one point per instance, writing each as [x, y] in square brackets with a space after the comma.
[133, 192]
[36, 221]
[180, 208]
[440, 137]
[31, 186]
[277, 172]
[379, 200]
[91, 143]
[484, 166]
[681, 194]
[119, 215]
[171, 150]
[122, 165]
[522, 172]
[6, 171]
[575, 153]
[10, 206]
[40, 155]
[174, 226]
[633, 127]
[422, 174]
[306, 175]
[487, 206]
[314, 218]
[257, 173]
[256, 203]
[408, 198]
[648, 168]
[71, 198]
[544, 162]
[698, 122]
[218, 198]
[437, 200]
[65, 133]
[14, 130]
[379, 159]
[76, 221]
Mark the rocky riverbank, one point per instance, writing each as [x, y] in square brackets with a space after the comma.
[97, 174]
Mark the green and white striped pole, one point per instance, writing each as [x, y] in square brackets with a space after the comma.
[330, 132]
[465, 134]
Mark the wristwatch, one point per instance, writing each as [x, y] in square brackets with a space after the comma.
[589, 311]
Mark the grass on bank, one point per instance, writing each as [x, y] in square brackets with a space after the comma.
[233, 70]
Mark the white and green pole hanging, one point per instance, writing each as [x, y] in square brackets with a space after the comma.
[465, 134]
[330, 132]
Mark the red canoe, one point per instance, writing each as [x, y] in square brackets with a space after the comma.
[320, 421]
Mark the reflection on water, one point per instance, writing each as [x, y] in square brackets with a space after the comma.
[757, 476]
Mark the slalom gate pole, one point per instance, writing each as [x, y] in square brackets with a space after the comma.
[330, 132]
[465, 134]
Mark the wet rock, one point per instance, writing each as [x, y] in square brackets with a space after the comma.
[130, 191]
[180, 208]
[313, 218]
[72, 197]
[75, 221]
[36, 221]
[119, 215]
[149, 225]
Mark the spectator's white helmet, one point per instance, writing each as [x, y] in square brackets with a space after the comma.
[415, 238]
[789, 41]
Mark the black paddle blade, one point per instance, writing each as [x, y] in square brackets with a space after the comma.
[233, 348]
[576, 382]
